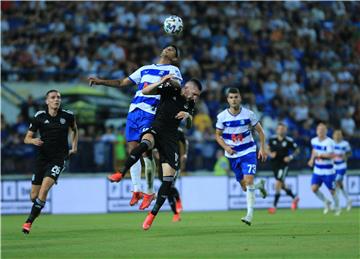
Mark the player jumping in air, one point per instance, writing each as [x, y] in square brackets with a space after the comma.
[141, 114]
[176, 104]
[233, 134]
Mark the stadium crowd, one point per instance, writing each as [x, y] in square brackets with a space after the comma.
[296, 62]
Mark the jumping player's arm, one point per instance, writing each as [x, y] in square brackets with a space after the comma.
[153, 88]
[262, 152]
[74, 138]
[187, 116]
[29, 137]
[221, 142]
[117, 83]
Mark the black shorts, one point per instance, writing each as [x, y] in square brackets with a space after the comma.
[47, 167]
[167, 143]
[280, 172]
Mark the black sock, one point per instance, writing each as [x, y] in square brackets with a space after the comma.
[289, 192]
[277, 197]
[176, 194]
[135, 156]
[171, 199]
[35, 210]
[162, 193]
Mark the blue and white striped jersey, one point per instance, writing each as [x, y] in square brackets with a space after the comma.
[147, 75]
[340, 149]
[237, 131]
[323, 166]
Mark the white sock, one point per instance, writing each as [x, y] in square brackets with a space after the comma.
[149, 175]
[343, 192]
[336, 201]
[135, 172]
[258, 185]
[250, 200]
[321, 196]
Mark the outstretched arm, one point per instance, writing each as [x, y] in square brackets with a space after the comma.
[152, 88]
[117, 83]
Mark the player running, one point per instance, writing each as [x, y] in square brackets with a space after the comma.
[53, 125]
[141, 114]
[342, 152]
[322, 156]
[233, 133]
[282, 149]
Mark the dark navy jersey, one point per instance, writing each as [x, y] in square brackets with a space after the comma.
[53, 132]
[283, 148]
[171, 103]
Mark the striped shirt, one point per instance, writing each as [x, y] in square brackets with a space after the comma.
[236, 131]
[323, 166]
[147, 75]
[340, 149]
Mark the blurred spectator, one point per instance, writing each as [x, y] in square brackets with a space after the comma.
[222, 165]
[297, 60]
[29, 108]
[119, 149]
[348, 125]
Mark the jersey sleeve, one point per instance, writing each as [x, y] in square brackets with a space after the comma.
[312, 143]
[219, 123]
[253, 119]
[135, 77]
[271, 145]
[177, 75]
[293, 144]
[331, 146]
[347, 147]
[71, 120]
[34, 124]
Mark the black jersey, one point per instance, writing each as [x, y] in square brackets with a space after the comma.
[53, 132]
[282, 148]
[171, 103]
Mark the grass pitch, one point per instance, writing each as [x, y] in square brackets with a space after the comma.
[303, 234]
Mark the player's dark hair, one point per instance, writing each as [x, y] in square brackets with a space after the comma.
[232, 90]
[282, 124]
[177, 50]
[51, 91]
[197, 83]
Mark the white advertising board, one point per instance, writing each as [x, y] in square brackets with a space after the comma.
[76, 195]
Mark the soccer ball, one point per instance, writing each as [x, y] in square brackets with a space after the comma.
[173, 25]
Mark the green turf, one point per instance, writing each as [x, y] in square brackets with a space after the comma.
[304, 234]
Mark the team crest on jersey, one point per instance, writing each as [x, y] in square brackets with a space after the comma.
[283, 143]
[62, 120]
